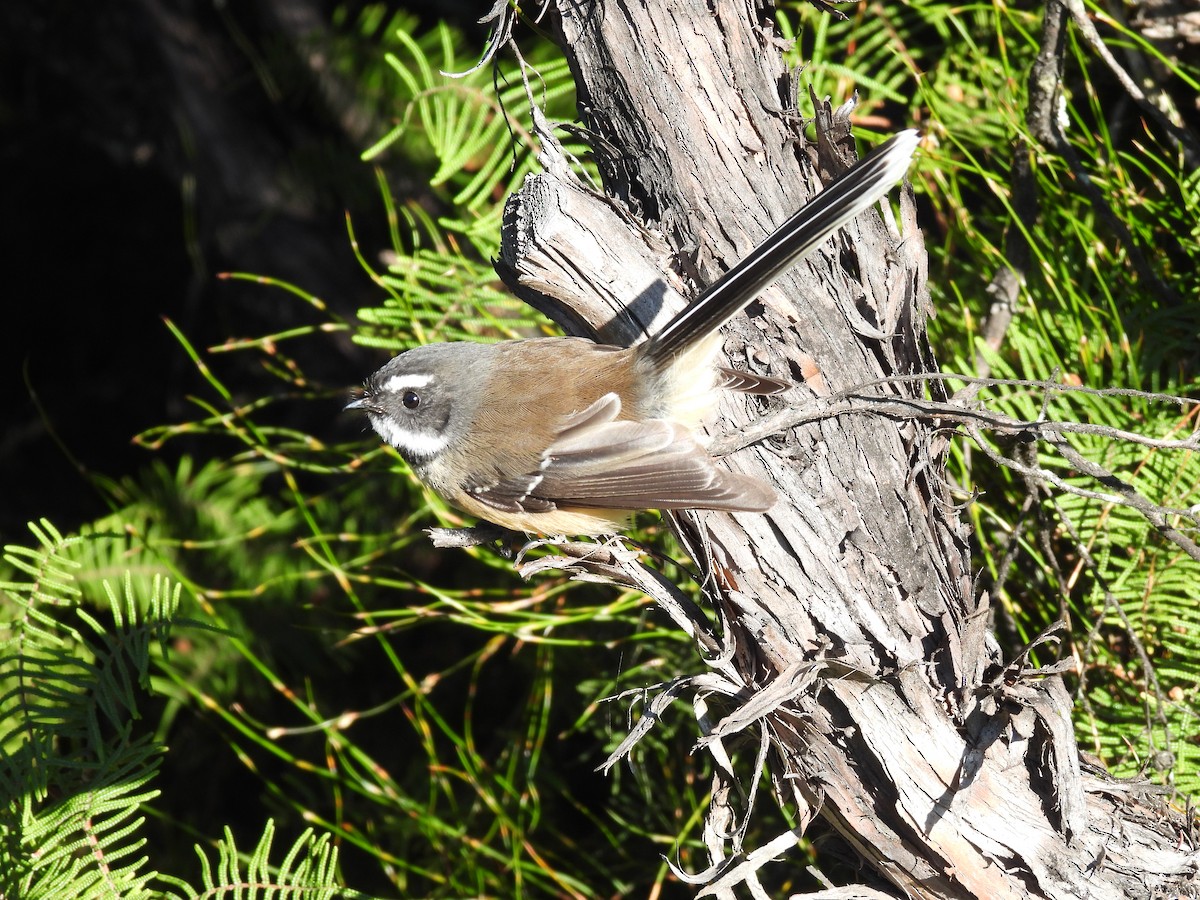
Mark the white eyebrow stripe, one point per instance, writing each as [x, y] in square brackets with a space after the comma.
[398, 383]
[422, 446]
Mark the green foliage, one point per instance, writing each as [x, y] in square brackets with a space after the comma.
[75, 772]
[479, 139]
[307, 871]
[471, 133]
[441, 735]
[78, 761]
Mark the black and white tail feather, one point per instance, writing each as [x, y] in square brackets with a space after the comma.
[854, 191]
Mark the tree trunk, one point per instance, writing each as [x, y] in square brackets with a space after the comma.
[852, 639]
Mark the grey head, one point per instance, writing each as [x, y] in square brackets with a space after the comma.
[421, 401]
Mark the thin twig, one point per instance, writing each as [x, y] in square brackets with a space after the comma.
[1091, 37]
[942, 413]
[1154, 514]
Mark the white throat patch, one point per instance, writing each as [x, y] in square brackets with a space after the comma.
[418, 446]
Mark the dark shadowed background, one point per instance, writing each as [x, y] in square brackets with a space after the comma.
[148, 146]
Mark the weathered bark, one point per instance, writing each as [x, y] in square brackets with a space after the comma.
[848, 610]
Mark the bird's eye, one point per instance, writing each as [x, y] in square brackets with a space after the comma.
[411, 400]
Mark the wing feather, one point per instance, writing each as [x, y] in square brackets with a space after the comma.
[749, 383]
[602, 462]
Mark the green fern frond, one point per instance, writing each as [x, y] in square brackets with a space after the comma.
[454, 298]
[175, 522]
[476, 131]
[74, 775]
[50, 583]
[479, 138]
[308, 870]
[81, 846]
[1152, 580]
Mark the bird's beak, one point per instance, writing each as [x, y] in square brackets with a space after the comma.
[358, 403]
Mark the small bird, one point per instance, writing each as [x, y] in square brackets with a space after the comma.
[564, 436]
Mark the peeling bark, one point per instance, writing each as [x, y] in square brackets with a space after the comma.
[852, 635]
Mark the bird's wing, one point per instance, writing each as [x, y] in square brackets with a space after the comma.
[603, 462]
